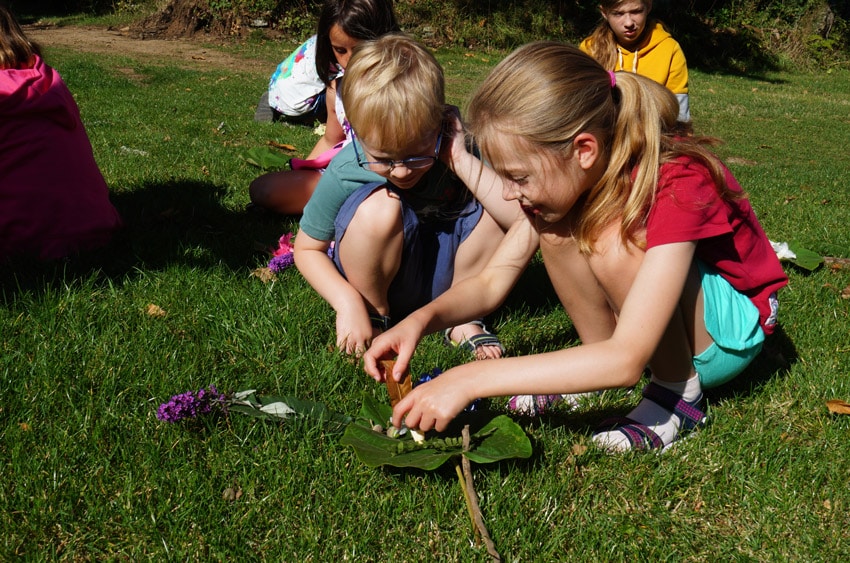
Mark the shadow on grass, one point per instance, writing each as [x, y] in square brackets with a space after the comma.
[175, 223]
[776, 358]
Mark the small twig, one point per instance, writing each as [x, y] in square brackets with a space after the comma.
[469, 508]
[472, 500]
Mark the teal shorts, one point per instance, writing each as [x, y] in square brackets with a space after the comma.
[733, 322]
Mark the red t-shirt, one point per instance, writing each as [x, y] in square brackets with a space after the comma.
[729, 237]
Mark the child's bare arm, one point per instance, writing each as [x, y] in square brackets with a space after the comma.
[333, 130]
[353, 327]
[481, 180]
[469, 299]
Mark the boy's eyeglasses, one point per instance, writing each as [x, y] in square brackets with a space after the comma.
[411, 163]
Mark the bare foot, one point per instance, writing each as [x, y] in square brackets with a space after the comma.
[462, 334]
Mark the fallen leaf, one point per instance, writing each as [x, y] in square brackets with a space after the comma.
[283, 146]
[155, 311]
[396, 389]
[837, 406]
[845, 293]
[25, 427]
[836, 263]
[263, 274]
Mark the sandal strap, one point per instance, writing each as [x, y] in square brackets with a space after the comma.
[487, 338]
[380, 321]
[447, 334]
[640, 436]
[691, 414]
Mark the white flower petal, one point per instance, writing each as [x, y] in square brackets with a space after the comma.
[782, 251]
[240, 395]
[278, 409]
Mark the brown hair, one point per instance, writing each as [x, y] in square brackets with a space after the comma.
[359, 19]
[602, 43]
[16, 50]
[546, 93]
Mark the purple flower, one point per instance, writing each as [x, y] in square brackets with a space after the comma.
[281, 262]
[190, 404]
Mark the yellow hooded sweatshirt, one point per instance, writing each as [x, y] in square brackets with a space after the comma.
[660, 58]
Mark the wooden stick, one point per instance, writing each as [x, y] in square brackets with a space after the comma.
[472, 497]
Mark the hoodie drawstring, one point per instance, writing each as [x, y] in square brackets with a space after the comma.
[620, 59]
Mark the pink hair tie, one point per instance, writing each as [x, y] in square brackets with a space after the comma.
[613, 78]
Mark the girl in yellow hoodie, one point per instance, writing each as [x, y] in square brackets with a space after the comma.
[629, 39]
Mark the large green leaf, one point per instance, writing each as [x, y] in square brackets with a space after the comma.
[265, 158]
[805, 259]
[491, 438]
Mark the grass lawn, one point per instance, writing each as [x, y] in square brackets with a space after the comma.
[89, 473]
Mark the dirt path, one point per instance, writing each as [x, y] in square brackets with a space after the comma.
[188, 53]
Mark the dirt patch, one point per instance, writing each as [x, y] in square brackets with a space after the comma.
[185, 52]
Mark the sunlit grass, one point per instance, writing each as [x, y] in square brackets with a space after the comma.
[90, 473]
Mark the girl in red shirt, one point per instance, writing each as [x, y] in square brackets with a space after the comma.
[650, 244]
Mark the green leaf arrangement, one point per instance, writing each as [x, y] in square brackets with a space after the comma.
[491, 439]
[472, 437]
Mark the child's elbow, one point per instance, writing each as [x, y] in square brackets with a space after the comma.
[631, 377]
[630, 370]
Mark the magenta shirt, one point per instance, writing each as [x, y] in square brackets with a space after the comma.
[53, 198]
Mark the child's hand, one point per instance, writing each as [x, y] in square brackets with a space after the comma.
[354, 333]
[400, 340]
[454, 138]
[432, 405]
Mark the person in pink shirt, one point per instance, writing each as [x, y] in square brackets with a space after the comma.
[54, 201]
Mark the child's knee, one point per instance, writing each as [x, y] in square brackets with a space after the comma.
[259, 189]
[378, 216]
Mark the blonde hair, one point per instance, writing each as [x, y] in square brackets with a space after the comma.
[546, 93]
[393, 91]
[16, 50]
[602, 43]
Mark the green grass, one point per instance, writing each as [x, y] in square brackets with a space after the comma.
[89, 473]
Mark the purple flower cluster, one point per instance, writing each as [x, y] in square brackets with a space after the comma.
[190, 404]
[281, 262]
[425, 377]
